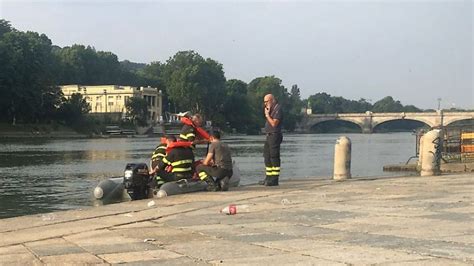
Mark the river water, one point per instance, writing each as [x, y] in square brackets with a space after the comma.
[42, 175]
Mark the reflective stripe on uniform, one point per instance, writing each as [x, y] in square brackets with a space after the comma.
[181, 170]
[186, 136]
[166, 161]
[268, 170]
[203, 175]
[156, 155]
[272, 171]
[159, 181]
[181, 162]
[276, 170]
[159, 151]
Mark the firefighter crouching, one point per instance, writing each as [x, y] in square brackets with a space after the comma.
[177, 164]
[159, 153]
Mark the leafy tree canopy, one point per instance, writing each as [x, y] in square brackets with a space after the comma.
[194, 83]
[26, 74]
[5, 27]
[387, 104]
[137, 110]
[81, 64]
[74, 108]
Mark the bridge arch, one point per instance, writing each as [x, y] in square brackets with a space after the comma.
[323, 125]
[449, 122]
[415, 123]
[382, 120]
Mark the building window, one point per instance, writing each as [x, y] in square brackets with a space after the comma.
[111, 97]
[119, 97]
[111, 103]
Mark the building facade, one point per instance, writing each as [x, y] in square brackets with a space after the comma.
[111, 99]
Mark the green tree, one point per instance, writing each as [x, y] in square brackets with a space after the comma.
[411, 108]
[132, 66]
[237, 109]
[72, 110]
[261, 86]
[51, 102]
[5, 27]
[323, 103]
[152, 74]
[295, 105]
[196, 84]
[26, 74]
[84, 65]
[387, 105]
[137, 110]
[364, 105]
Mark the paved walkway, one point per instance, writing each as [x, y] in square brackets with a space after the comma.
[388, 221]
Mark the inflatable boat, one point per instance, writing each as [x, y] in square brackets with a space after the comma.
[135, 184]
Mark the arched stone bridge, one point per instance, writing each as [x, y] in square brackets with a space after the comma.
[368, 121]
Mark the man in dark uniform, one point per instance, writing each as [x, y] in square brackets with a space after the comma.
[158, 154]
[274, 137]
[188, 132]
[177, 164]
[217, 164]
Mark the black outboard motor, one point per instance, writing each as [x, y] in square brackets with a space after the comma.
[135, 180]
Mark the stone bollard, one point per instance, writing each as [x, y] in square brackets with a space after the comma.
[431, 157]
[342, 159]
[420, 154]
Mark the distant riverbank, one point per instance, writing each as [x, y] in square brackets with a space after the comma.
[39, 131]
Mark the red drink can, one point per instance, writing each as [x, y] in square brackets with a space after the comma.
[232, 209]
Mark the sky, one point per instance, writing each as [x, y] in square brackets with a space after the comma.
[414, 51]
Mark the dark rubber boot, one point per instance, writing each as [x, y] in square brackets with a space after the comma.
[263, 182]
[272, 181]
[224, 183]
[211, 185]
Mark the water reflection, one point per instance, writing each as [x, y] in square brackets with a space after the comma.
[44, 175]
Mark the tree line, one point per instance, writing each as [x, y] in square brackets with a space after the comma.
[32, 68]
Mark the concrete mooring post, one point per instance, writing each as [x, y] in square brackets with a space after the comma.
[342, 159]
[420, 154]
[431, 156]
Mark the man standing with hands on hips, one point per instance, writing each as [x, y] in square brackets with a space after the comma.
[274, 137]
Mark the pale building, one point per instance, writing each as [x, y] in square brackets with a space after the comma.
[110, 99]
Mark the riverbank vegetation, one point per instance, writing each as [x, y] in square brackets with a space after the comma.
[32, 68]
